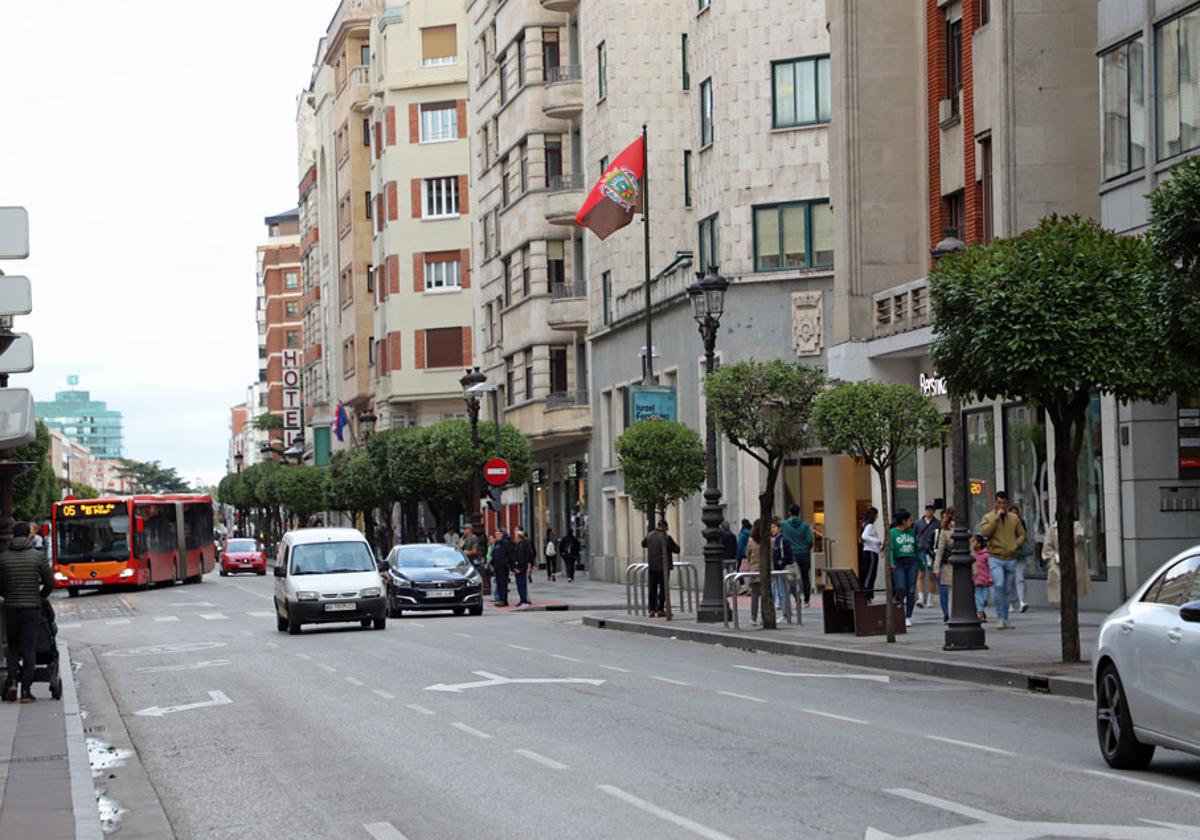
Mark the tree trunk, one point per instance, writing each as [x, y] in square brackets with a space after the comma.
[766, 556]
[1068, 440]
[885, 554]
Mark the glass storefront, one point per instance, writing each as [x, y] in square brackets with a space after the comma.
[905, 492]
[1026, 471]
[1091, 490]
[979, 429]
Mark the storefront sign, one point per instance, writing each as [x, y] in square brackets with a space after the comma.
[652, 402]
[932, 386]
[293, 427]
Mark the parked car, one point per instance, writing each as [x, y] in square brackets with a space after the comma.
[243, 555]
[431, 576]
[324, 575]
[1147, 668]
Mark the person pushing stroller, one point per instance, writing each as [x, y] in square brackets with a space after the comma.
[25, 583]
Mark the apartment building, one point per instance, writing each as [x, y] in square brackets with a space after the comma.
[418, 204]
[527, 180]
[280, 329]
[1149, 67]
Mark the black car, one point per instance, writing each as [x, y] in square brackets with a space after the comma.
[429, 576]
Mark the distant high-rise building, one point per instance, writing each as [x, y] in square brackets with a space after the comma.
[88, 422]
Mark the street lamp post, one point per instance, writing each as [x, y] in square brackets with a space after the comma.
[472, 378]
[366, 424]
[963, 632]
[238, 459]
[708, 305]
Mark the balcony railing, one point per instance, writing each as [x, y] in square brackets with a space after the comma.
[359, 75]
[560, 399]
[564, 73]
[902, 308]
[569, 181]
[568, 290]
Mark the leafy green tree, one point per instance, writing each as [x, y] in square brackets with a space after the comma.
[151, 477]
[78, 489]
[662, 462]
[37, 488]
[764, 409]
[1174, 237]
[1055, 315]
[881, 424]
[353, 485]
[302, 490]
[267, 422]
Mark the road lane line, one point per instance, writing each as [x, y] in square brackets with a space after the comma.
[260, 613]
[567, 658]
[470, 730]
[465, 635]
[868, 677]
[214, 616]
[669, 680]
[541, 759]
[521, 647]
[113, 622]
[383, 694]
[303, 656]
[352, 681]
[832, 716]
[328, 668]
[163, 618]
[383, 831]
[1156, 785]
[958, 743]
[742, 696]
[615, 668]
[421, 709]
[272, 645]
[416, 624]
[664, 814]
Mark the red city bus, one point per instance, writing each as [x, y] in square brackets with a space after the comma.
[131, 540]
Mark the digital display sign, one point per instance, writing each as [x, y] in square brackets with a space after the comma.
[78, 509]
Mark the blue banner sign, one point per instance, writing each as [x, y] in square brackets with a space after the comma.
[652, 402]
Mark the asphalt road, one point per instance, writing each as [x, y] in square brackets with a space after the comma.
[246, 732]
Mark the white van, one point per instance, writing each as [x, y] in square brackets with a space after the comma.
[327, 574]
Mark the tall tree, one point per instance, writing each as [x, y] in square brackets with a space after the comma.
[662, 462]
[764, 409]
[881, 424]
[1060, 313]
[1175, 238]
[37, 488]
[151, 477]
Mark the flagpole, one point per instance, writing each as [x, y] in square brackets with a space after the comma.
[648, 364]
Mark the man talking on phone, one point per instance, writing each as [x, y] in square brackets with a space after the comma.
[1005, 535]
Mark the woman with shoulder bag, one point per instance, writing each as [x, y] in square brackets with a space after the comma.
[551, 552]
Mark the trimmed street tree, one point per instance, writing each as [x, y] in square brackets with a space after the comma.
[353, 486]
[881, 424]
[1054, 316]
[1175, 238]
[302, 491]
[35, 489]
[662, 462]
[763, 408]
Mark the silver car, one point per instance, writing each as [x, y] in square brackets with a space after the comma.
[1147, 668]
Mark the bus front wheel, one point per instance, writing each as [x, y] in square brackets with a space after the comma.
[73, 592]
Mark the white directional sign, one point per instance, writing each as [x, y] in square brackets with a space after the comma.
[16, 296]
[14, 233]
[18, 356]
[17, 424]
[216, 698]
[490, 680]
[989, 826]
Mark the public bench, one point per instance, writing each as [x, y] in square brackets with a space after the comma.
[849, 609]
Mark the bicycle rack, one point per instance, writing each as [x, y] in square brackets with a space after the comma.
[635, 588]
[636, 595]
[733, 577]
[689, 585]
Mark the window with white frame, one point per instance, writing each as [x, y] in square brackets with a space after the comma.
[439, 122]
[442, 271]
[439, 197]
[439, 45]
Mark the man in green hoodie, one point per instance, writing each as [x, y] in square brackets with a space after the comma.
[25, 579]
[799, 535]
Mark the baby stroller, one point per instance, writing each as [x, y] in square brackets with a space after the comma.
[45, 653]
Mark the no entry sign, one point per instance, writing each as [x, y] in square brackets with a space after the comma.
[496, 472]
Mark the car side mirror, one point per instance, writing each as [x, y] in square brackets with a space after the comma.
[1190, 612]
[280, 571]
[384, 565]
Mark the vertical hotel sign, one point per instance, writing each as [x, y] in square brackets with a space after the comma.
[293, 423]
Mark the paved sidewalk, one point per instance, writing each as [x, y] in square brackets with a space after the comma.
[46, 786]
[582, 594]
[1026, 657]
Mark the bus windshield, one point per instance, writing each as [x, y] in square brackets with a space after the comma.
[92, 539]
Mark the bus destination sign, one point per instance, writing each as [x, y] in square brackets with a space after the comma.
[78, 509]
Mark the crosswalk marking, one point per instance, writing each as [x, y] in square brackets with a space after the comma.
[164, 618]
[260, 613]
[214, 616]
[383, 831]
[112, 622]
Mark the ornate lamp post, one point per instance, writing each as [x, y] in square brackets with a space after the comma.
[708, 305]
[963, 632]
[238, 459]
[366, 424]
[469, 381]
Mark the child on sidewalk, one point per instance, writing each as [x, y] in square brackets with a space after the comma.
[981, 573]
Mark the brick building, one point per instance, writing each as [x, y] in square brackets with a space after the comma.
[280, 329]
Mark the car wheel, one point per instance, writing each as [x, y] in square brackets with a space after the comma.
[73, 592]
[293, 626]
[366, 622]
[262, 572]
[459, 610]
[477, 610]
[380, 623]
[281, 623]
[1114, 725]
[224, 573]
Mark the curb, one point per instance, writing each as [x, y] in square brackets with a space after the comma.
[557, 608]
[83, 792]
[993, 675]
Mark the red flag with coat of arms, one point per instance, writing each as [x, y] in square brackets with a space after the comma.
[618, 194]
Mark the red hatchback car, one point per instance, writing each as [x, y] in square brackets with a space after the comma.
[243, 555]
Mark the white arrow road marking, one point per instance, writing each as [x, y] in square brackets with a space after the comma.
[218, 698]
[383, 831]
[187, 666]
[869, 677]
[180, 647]
[490, 679]
[990, 826]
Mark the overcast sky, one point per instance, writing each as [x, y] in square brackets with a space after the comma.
[148, 139]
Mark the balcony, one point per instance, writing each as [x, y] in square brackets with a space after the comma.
[902, 309]
[568, 307]
[359, 87]
[563, 98]
[560, 5]
[562, 399]
[565, 197]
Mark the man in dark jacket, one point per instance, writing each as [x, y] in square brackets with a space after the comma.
[569, 548]
[659, 547]
[524, 562]
[25, 579]
[502, 558]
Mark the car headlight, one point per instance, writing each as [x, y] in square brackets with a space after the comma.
[306, 596]
[475, 579]
[60, 576]
[401, 581]
[369, 592]
[126, 573]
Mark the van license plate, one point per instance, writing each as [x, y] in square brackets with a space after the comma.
[340, 607]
